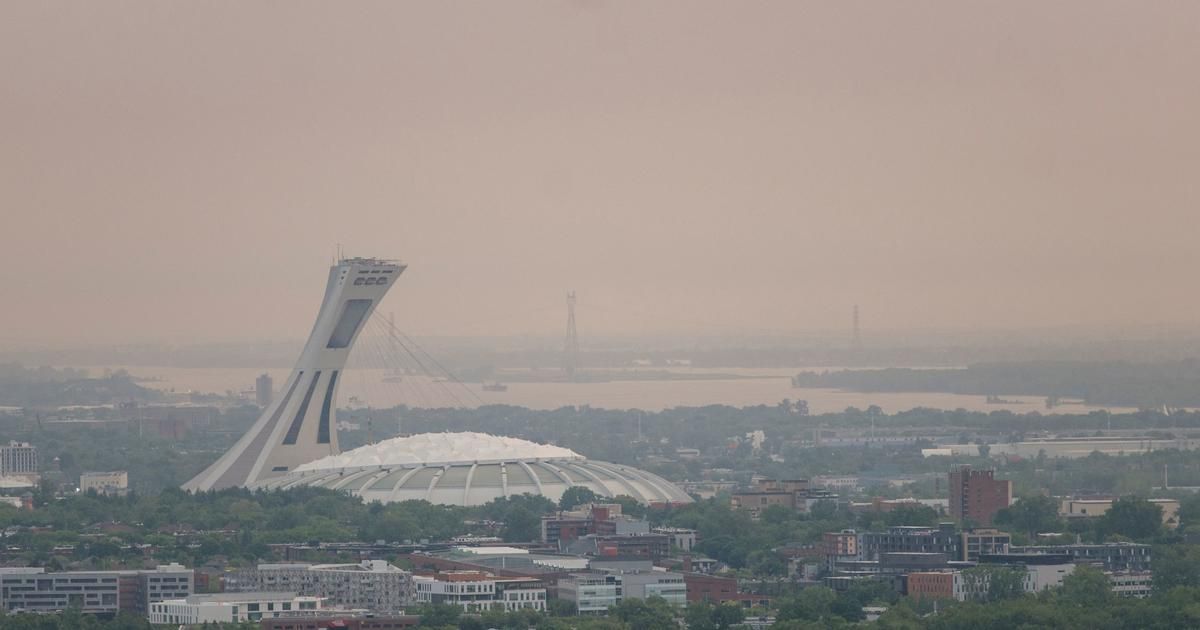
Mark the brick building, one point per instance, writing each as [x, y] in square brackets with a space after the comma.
[935, 585]
[718, 590]
[976, 495]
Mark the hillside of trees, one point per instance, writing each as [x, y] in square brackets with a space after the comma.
[1126, 384]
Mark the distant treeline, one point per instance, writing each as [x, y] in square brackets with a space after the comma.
[1143, 385]
[50, 387]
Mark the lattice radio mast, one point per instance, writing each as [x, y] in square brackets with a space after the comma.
[857, 332]
[571, 347]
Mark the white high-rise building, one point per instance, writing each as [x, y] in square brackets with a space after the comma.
[299, 426]
[19, 459]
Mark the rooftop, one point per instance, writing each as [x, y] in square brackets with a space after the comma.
[252, 596]
[442, 448]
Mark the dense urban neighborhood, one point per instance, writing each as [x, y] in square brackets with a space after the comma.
[791, 520]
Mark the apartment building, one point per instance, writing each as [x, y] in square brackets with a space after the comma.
[373, 585]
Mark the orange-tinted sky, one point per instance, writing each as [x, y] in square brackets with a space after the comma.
[182, 170]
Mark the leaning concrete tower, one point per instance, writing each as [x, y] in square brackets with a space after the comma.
[299, 426]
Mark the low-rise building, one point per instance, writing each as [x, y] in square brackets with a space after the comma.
[930, 584]
[476, 591]
[1042, 571]
[794, 494]
[945, 538]
[718, 590]
[708, 489]
[372, 585]
[591, 593]
[841, 483]
[1137, 584]
[880, 505]
[233, 608]
[665, 584]
[616, 545]
[640, 578]
[112, 483]
[602, 519]
[326, 621]
[32, 589]
[839, 546]
[682, 539]
[1098, 506]
[1116, 557]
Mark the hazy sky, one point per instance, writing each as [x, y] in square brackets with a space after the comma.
[182, 170]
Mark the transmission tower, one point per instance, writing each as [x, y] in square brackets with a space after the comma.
[857, 332]
[571, 347]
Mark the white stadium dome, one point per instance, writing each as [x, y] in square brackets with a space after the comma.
[471, 469]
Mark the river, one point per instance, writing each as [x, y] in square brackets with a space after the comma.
[367, 387]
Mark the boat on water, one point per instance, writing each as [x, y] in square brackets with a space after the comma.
[495, 387]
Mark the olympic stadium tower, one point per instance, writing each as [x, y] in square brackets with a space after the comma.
[300, 425]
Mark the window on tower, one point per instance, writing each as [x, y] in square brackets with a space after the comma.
[352, 317]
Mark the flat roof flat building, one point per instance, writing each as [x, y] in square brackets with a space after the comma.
[18, 459]
[976, 495]
[372, 585]
[476, 591]
[233, 608]
[112, 483]
[32, 589]
[591, 593]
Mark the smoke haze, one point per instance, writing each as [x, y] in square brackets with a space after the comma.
[183, 171]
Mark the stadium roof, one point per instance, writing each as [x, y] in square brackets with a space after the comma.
[472, 469]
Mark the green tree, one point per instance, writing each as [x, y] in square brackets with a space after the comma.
[698, 616]
[1176, 566]
[707, 616]
[575, 496]
[1031, 516]
[1132, 517]
[521, 525]
[561, 608]
[630, 506]
[438, 615]
[912, 515]
[466, 622]
[728, 615]
[823, 510]
[1086, 587]
[652, 613]
[812, 604]
[990, 583]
